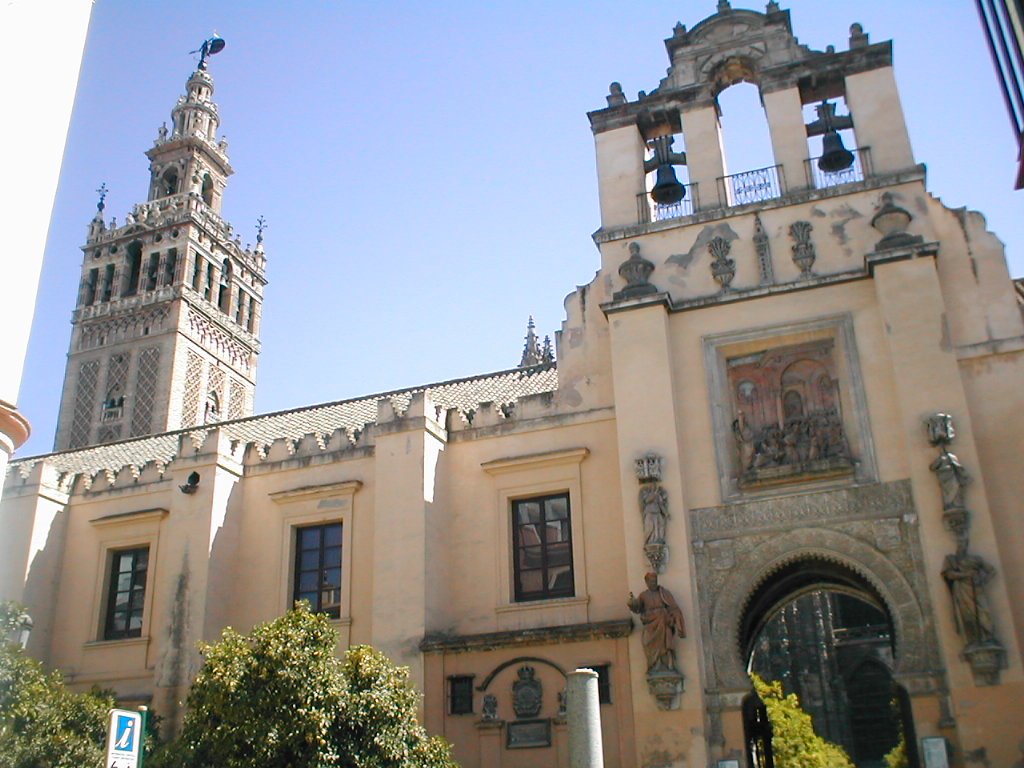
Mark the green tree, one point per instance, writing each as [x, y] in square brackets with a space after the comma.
[794, 742]
[42, 723]
[280, 697]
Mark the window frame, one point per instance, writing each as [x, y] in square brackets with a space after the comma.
[113, 580]
[333, 612]
[318, 505]
[453, 699]
[120, 532]
[546, 591]
[524, 476]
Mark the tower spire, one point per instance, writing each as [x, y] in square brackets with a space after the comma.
[531, 350]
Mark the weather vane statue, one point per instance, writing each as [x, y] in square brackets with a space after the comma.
[209, 47]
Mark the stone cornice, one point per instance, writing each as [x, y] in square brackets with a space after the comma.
[490, 641]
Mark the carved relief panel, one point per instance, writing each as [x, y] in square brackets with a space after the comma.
[789, 407]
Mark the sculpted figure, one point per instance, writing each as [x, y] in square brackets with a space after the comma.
[966, 575]
[952, 479]
[661, 617]
[744, 441]
[654, 507]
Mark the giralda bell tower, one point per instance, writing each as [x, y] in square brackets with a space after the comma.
[166, 329]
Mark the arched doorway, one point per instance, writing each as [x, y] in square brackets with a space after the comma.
[826, 635]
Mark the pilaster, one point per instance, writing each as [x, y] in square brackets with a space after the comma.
[789, 137]
[620, 174]
[408, 450]
[705, 157]
[878, 120]
[646, 418]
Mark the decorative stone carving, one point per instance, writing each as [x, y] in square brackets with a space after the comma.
[636, 271]
[723, 269]
[648, 468]
[662, 621]
[892, 222]
[764, 253]
[490, 708]
[527, 693]
[653, 509]
[788, 424]
[965, 574]
[803, 249]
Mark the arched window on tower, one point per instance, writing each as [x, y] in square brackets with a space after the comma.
[751, 174]
[133, 257]
[169, 183]
[207, 189]
[211, 412]
[835, 157]
[224, 294]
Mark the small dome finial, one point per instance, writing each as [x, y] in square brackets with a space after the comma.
[103, 196]
[261, 224]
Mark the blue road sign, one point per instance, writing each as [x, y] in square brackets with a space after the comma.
[124, 739]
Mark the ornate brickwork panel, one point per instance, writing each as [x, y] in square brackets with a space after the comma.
[145, 390]
[193, 389]
[129, 325]
[236, 399]
[215, 396]
[219, 342]
[85, 403]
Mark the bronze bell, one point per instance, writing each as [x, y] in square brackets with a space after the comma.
[667, 189]
[834, 156]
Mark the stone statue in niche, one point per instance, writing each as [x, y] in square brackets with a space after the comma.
[952, 479]
[654, 506]
[788, 424]
[966, 575]
[527, 693]
[490, 710]
[653, 509]
[662, 621]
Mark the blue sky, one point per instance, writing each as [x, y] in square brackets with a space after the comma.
[427, 170]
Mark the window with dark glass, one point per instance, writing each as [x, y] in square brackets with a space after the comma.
[604, 682]
[126, 593]
[542, 542]
[318, 567]
[460, 695]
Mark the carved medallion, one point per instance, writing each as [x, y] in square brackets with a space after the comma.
[527, 693]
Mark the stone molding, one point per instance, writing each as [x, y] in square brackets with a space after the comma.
[869, 530]
[490, 641]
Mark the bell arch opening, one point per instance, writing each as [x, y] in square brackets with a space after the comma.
[825, 633]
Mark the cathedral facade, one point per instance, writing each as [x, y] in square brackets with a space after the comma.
[782, 434]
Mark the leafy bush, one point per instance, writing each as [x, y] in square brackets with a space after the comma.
[280, 697]
[794, 742]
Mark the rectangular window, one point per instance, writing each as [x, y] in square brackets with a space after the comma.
[318, 568]
[108, 282]
[170, 266]
[90, 287]
[197, 271]
[126, 593]
[460, 695]
[604, 682]
[542, 544]
[152, 271]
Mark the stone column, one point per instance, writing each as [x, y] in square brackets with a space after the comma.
[584, 715]
[789, 136]
[705, 157]
[620, 175]
[878, 120]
